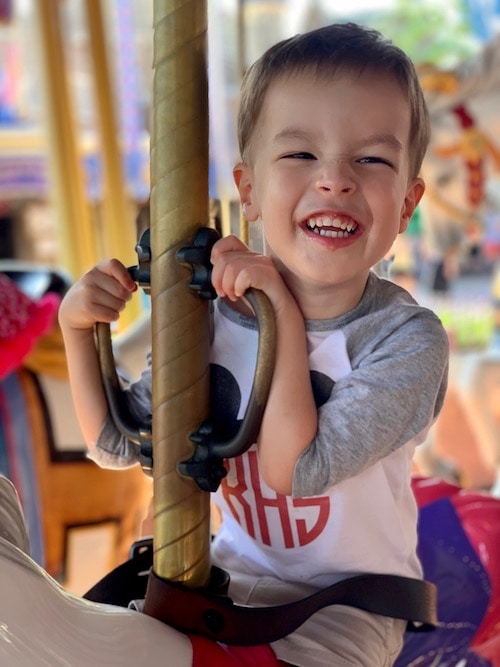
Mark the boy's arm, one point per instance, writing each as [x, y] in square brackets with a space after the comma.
[290, 418]
[99, 296]
[85, 382]
[391, 397]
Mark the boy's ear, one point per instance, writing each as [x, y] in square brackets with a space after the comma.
[243, 177]
[414, 194]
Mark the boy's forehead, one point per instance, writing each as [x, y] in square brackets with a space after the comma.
[297, 82]
[283, 117]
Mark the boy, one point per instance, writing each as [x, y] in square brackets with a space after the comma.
[333, 129]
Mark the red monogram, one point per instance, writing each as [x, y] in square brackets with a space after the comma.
[239, 487]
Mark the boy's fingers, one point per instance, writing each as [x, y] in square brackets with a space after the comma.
[227, 244]
[115, 269]
[114, 278]
[104, 314]
[107, 299]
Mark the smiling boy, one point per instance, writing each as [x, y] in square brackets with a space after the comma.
[333, 129]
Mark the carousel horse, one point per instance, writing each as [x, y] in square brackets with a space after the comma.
[67, 500]
[41, 623]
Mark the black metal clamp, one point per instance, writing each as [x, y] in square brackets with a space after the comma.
[206, 465]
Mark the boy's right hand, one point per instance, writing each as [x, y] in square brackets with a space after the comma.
[98, 296]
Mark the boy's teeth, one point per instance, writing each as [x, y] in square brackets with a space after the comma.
[332, 233]
[331, 227]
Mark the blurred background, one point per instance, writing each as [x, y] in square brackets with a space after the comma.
[75, 105]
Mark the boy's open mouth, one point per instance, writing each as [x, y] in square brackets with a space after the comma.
[332, 227]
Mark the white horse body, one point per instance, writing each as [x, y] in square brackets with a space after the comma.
[42, 624]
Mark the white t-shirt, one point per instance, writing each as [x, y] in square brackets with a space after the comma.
[379, 376]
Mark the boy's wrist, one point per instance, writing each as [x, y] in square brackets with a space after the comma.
[285, 305]
[83, 333]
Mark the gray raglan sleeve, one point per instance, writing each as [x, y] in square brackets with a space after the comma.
[393, 395]
[112, 449]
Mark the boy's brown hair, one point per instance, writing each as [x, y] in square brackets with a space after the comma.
[325, 51]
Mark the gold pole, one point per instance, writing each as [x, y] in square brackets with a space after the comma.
[78, 241]
[225, 215]
[119, 235]
[244, 232]
[180, 343]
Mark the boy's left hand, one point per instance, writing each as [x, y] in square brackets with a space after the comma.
[236, 268]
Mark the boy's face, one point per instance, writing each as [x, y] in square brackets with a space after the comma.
[328, 175]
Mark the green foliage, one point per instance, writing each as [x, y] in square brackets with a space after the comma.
[429, 32]
[468, 328]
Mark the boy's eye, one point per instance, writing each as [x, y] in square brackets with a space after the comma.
[371, 159]
[300, 155]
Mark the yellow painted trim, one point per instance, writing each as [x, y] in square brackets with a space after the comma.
[119, 236]
[77, 234]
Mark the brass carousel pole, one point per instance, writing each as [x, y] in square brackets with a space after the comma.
[180, 336]
[182, 582]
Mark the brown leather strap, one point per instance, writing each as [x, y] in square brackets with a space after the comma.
[211, 613]
[216, 617]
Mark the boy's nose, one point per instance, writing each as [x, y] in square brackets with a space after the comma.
[336, 179]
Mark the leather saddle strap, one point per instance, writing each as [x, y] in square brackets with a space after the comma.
[126, 582]
[216, 617]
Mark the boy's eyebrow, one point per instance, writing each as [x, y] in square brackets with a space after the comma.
[373, 140]
[384, 138]
[293, 133]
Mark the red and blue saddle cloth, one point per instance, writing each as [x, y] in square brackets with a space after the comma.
[459, 545]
